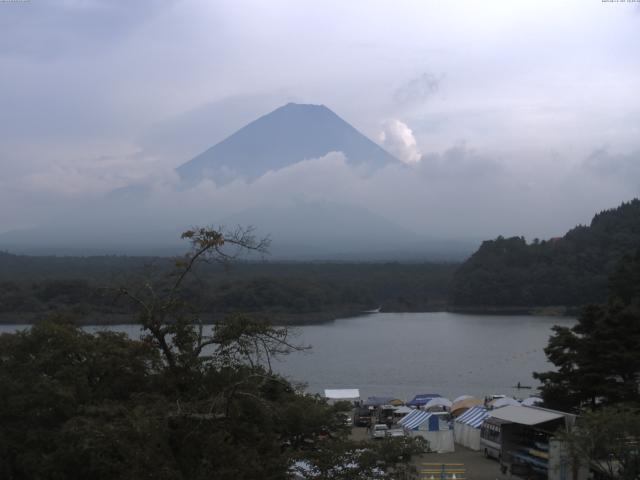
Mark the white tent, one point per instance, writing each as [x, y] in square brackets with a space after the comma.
[428, 426]
[503, 402]
[531, 401]
[466, 428]
[402, 410]
[438, 402]
[461, 397]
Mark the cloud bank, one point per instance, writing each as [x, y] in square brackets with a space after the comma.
[509, 117]
[454, 194]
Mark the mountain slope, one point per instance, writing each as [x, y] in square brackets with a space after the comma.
[283, 137]
[569, 271]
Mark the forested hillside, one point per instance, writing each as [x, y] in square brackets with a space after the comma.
[31, 287]
[568, 271]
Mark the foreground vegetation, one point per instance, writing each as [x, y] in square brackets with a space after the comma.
[597, 375]
[176, 404]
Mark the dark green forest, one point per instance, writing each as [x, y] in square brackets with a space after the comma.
[570, 271]
[504, 275]
[285, 292]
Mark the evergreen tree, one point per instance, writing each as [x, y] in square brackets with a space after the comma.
[598, 359]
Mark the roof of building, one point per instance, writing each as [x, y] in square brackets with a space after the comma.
[342, 393]
[377, 401]
[525, 415]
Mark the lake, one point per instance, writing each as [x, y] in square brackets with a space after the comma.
[401, 354]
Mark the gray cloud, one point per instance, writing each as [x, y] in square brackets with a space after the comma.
[457, 193]
[95, 95]
[459, 162]
[418, 90]
[624, 166]
[47, 29]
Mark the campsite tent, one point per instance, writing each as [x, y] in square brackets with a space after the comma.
[461, 406]
[438, 402]
[531, 401]
[466, 428]
[402, 410]
[421, 399]
[429, 426]
[503, 402]
[461, 397]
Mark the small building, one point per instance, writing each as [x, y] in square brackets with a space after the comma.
[430, 426]
[466, 427]
[528, 444]
[343, 394]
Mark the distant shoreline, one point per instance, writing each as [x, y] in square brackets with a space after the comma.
[546, 311]
[287, 319]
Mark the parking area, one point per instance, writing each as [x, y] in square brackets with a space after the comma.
[464, 463]
[473, 464]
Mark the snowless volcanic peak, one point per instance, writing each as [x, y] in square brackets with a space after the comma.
[289, 134]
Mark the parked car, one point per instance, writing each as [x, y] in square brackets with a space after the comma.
[395, 432]
[379, 430]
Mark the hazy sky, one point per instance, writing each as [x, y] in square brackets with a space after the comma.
[518, 117]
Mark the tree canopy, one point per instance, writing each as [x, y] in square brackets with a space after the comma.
[598, 359]
[570, 271]
[609, 439]
[182, 402]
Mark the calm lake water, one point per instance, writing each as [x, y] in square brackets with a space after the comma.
[401, 354]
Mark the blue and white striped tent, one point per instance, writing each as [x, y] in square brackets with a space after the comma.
[466, 429]
[427, 425]
[420, 418]
[473, 417]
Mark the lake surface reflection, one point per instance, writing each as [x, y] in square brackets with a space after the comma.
[401, 354]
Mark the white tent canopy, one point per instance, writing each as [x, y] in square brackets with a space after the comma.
[528, 402]
[402, 410]
[504, 401]
[342, 394]
[438, 402]
[461, 397]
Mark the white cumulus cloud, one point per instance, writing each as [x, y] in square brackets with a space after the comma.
[398, 139]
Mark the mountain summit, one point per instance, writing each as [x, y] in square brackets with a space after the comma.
[288, 135]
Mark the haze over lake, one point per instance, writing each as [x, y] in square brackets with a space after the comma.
[402, 354]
